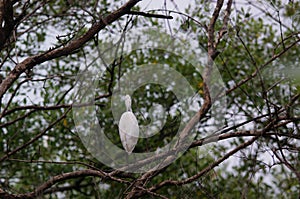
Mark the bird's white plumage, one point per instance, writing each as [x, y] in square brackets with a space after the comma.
[128, 102]
[128, 127]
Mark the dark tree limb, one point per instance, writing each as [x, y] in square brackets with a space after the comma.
[72, 46]
[6, 21]
[144, 14]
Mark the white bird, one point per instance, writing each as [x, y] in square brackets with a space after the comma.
[128, 127]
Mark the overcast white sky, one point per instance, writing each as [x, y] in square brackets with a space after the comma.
[154, 4]
[181, 5]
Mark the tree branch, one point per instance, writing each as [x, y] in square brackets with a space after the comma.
[144, 14]
[6, 21]
[255, 73]
[36, 137]
[74, 44]
[205, 170]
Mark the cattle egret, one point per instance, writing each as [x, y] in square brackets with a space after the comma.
[128, 127]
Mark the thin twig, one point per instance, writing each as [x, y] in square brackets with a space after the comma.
[144, 14]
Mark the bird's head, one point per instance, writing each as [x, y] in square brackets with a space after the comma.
[128, 102]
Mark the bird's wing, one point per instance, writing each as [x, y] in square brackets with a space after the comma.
[129, 131]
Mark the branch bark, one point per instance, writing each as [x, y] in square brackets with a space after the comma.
[74, 44]
[59, 178]
[6, 21]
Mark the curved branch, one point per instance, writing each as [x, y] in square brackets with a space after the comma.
[205, 170]
[74, 44]
[62, 177]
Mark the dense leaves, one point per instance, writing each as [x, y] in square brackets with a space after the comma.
[256, 53]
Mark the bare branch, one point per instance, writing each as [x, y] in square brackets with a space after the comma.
[255, 73]
[207, 169]
[36, 137]
[287, 164]
[223, 31]
[211, 27]
[144, 14]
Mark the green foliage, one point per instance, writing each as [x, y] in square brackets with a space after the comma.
[250, 42]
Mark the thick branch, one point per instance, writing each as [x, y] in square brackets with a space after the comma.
[211, 27]
[75, 44]
[6, 21]
[223, 31]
